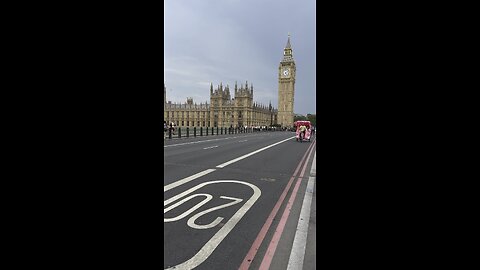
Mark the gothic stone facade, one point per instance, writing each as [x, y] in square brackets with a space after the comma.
[223, 110]
[286, 87]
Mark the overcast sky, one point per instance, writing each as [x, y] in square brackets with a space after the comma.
[214, 41]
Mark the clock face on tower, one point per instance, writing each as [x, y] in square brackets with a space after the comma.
[286, 72]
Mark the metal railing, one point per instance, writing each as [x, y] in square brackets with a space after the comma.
[187, 132]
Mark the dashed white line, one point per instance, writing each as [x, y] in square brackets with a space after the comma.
[229, 138]
[187, 179]
[200, 174]
[213, 243]
[178, 144]
[210, 147]
[250, 154]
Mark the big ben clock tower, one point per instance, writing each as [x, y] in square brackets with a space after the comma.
[286, 87]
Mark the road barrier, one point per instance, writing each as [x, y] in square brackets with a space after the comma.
[213, 131]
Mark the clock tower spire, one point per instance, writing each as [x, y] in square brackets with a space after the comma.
[286, 86]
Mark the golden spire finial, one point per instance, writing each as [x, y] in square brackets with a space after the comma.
[288, 46]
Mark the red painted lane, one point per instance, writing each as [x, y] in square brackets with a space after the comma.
[267, 259]
[261, 235]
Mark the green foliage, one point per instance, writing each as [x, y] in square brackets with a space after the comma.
[312, 118]
[299, 118]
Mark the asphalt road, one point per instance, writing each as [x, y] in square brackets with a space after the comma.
[242, 201]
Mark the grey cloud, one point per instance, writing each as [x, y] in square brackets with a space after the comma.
[227, 41]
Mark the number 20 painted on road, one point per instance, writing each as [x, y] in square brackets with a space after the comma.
[191, 221]
[212, 244]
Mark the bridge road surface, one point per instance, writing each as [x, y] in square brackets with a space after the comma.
[220, 196]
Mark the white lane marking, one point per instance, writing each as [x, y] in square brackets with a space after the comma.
[179, 144]
[243, 141]
[191, 221]
[208, 197]
[210, 147]
[187, 179]
[300, 241]
[213, 243]
[250, 154]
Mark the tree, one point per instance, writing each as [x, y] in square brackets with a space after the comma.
[299, 117]
[312, 118]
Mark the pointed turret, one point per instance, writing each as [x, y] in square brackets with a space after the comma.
[287, 52]
[286, 86]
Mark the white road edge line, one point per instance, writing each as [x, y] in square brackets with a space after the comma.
[297, 254]
[223, 165]
[187, 179]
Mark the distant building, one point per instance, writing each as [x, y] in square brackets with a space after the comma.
[225, 111]
[286, 87]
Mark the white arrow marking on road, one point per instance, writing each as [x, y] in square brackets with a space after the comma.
[210, 147]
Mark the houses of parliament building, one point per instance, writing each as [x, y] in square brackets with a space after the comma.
[241, 110]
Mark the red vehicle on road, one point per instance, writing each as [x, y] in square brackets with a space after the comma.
[299, 136]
